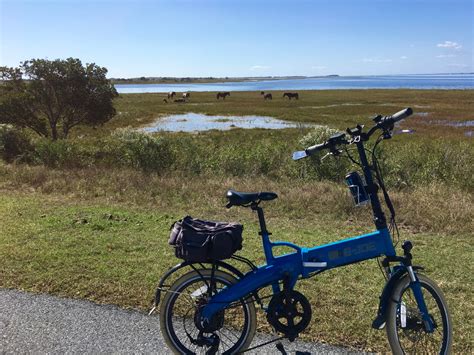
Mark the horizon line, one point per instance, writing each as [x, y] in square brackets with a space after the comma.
[284, 76]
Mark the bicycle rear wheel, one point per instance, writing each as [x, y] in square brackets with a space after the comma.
[235, 326]
[405, 329]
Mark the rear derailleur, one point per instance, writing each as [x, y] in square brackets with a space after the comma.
[211, 342]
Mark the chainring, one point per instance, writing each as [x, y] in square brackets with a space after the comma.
[289, 313]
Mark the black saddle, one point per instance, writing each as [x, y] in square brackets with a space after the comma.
[244, 198]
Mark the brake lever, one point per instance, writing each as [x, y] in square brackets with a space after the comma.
[387, 134]
[325, 156]
[335, 152]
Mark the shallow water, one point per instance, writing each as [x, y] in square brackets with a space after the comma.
[194, 122]
[428, 81]
[334, 105]
[455, 123]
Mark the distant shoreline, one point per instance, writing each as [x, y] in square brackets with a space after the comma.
[205, 80]
[426, 82]
[228, 79]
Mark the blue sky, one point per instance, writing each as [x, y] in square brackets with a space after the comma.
[243, 38]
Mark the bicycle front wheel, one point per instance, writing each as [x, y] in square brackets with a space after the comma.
[179, 316]
[405, 330]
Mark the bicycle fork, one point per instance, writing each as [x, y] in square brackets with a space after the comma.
[416, 288]
[420, 300]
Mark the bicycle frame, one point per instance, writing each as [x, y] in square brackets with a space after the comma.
[305, 262]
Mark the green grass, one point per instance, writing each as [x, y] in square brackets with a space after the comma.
[115, 253]
[89, 218]
[337, 108]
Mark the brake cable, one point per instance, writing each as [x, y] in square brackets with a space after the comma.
[379, 176]
[378, 173]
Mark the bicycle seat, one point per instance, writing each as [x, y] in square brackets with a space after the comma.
[237, 198]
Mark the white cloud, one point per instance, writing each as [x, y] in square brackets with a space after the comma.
[403, 57]
[376, 60]
[259, 67]
[446, 56]
[457, 65]
[449, 44]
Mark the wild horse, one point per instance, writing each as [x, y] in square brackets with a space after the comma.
[291, 95]
[223, 95]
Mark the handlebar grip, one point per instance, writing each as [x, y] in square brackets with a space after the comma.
[402, 114]
[315, 148]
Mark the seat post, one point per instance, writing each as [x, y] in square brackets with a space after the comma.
[267, 246]
[261, 218]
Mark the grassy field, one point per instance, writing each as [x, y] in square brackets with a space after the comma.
[337, 108]
[98, 230]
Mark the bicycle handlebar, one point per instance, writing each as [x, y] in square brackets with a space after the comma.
[316, 148]
[385, 123]
[400, 115]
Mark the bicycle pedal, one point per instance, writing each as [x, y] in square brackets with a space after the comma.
[378, 323]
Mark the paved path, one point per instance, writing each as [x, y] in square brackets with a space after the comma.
[31, 323]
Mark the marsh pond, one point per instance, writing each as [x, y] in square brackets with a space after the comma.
[195, 122]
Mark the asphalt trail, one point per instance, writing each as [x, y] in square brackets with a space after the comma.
[39, 324]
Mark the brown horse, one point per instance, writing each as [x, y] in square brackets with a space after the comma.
[268, 96]
[171, 94]
[179, 100]
[186, 95]
[165, 101]
[223, 95]
[291, 95]
[262, 92]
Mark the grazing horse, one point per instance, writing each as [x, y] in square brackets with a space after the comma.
[291, 95]
[171, 94]
[262, 92]
[222, 94]
[186, 95]
[268, 96]
[179, 100]
[165, 101]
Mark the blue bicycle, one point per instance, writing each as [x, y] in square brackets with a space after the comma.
[211, 308]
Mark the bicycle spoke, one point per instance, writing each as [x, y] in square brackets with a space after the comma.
[184, 304]
[418, 339]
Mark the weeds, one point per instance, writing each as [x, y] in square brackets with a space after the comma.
[247, 153]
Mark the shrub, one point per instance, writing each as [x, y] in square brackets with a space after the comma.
[422, 162]
[60, 153]
[141, 150]
[14, 144]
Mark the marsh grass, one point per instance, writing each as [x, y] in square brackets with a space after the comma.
[337, 108]
[248, 153]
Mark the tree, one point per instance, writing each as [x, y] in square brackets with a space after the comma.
[52, 97]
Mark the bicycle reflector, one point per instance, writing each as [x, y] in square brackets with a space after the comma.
[356, 185]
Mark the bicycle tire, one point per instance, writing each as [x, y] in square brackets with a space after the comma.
[404, 326]
[191, 280]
